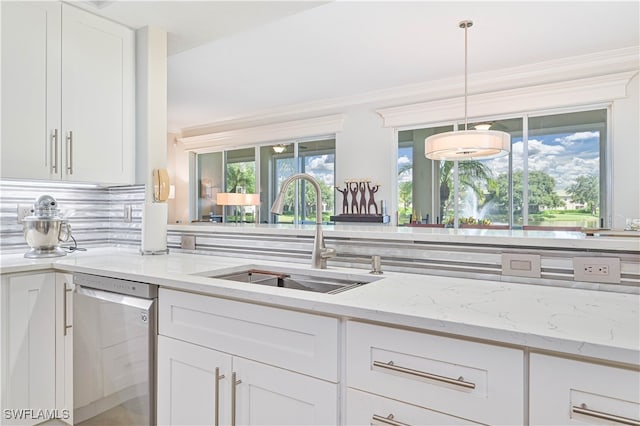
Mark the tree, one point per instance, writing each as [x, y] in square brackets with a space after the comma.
[586, 190]
[405, 194]
[542, 192]
[241, 175]
[472, 174]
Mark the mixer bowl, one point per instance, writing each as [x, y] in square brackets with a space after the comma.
[44, 236]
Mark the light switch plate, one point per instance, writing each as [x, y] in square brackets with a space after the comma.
[521, 265]
[188, 242]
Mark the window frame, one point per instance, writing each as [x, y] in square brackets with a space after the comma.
[605, 161]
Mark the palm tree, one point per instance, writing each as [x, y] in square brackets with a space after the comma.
[471, 174]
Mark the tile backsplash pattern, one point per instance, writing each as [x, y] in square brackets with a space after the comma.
[476, 261]
[96, 214]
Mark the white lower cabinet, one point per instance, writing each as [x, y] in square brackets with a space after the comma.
[191, 383]
[468, 380]
[228, 362]
[570, 392]
[36, 367]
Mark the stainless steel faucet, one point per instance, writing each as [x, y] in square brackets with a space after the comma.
[320, 253]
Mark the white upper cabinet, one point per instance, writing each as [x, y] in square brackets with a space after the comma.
[68, 95]
[30, 90]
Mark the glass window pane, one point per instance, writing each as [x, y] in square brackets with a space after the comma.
[484, 194]
[240, 176]
[317, 158]
[417, 197]
[209, 184]
[564, 163]
[276, 164]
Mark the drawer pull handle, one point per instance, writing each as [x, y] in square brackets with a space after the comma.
[388, 420]
[234, 384]
[54, 152]
[70, 152]
[458, 382]
[217, 401]
[582, 409]
[65, 327]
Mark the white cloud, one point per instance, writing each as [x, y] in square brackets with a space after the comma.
[555, 160]
[577, 137]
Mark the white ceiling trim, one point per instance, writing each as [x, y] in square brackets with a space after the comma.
[276, 132]
[576, 67]
[532, 98]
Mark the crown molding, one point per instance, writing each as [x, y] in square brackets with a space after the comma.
[570, 68]
[584, 91]
[274, 132]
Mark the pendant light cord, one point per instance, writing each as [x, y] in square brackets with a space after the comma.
[465, 25]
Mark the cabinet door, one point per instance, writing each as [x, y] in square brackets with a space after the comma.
[64, 346]
[97, 99]
[188, 389]
[30, 90]
[570, 392]
[267, 395]
[28, 343]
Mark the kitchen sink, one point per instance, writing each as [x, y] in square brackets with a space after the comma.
[297, 280]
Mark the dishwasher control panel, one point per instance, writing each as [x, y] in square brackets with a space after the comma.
[116, 285]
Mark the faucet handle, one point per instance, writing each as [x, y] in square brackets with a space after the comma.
[327, 252]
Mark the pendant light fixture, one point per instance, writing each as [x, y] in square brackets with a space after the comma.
[467, 144]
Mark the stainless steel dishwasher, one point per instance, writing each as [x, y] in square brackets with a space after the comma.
[114, 345]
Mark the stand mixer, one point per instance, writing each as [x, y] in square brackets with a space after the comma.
[45, 229]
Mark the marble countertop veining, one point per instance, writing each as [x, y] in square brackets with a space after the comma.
[576, 322]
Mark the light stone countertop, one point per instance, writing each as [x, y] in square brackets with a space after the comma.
[576, 322]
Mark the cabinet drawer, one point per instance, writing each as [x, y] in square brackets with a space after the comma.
[368, 409]
[475, 381]
[295, 341]
[564, 391]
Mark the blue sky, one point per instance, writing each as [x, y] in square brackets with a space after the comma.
[564, 156]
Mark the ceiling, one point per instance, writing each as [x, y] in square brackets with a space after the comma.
[237, 59]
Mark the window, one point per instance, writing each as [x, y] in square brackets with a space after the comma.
[240, 176]
[555, 176]
[314, 157]
[262, 170]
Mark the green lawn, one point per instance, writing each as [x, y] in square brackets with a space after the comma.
[565, 218]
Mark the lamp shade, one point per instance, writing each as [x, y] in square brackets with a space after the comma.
[467, 145]
[237, 199]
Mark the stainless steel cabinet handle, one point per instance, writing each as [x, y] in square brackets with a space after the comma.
[65, 290]
[582, 409]
[388, 420]
[458, 382]
[234, 385]
[70, 152]
[54, 151]
[217, 402]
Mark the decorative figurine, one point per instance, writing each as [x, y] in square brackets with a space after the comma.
[372, 200]
[363, 198]
[353, 187]
[361, 206]
[345, 198]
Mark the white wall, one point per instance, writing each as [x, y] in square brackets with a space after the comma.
[366, 149]
[625, 149]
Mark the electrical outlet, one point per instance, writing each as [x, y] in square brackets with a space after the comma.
[596, 269]
[127, 214]
[24, 210]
